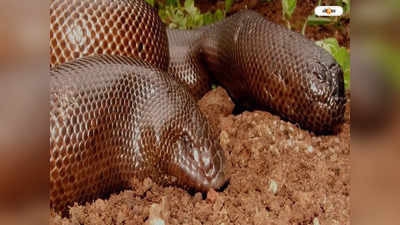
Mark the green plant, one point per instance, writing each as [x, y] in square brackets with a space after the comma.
[340, 54]
[288, 7]
[313, 20]
[151, 2]
[345, 5]
[228, 5]
[188, 16]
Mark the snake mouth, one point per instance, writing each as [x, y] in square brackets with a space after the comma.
[201, 173]
[336, 94]
[218, 179]
[326, 82]
[329, 75]
[327, 95]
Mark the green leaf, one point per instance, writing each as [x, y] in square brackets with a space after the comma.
[172, 3]
[228, 5]
[197, 20]
[288, 7]
[151, 2]
[172, 26]
[183, 23]
[189, 7]
[187, 16]
[162, 15]
[207, 18]
[219, 15]
[346, 6]
[340, 54]
[315, 21]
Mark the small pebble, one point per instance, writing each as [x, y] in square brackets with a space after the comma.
[197, 197]
[273, 186]
[156, 221]
[316, 221]
[212, 195]
[158, 213]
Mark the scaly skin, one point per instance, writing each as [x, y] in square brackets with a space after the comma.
[263, 65]
[114, 118]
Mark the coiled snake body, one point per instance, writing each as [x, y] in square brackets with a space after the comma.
[123, 91]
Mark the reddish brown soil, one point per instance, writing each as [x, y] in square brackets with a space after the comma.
[280, 174]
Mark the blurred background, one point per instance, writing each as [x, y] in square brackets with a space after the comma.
[375, 87]
[24, 116]
[374, 90]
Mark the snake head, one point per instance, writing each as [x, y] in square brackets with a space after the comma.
[328, 75]
[326, 91]
[197, 159]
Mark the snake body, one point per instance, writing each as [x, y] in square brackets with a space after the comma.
[123, 91]
[115, 118]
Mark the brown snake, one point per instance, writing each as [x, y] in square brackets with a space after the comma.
[135, 114]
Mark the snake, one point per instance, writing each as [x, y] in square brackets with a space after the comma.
[123, 92]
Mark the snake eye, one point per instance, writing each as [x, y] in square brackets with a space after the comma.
[319, 75]
[321, 72]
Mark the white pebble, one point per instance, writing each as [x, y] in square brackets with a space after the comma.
[273, 186]
[157, 221]
[316, 221]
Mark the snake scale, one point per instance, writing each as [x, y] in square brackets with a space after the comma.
[123, 93]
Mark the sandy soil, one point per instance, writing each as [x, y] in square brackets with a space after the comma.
[280, 174]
